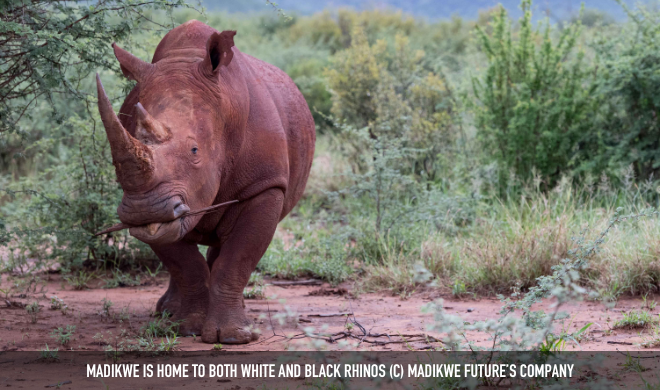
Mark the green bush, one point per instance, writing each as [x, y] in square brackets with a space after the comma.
[48, 47]
[391, 93]
[325, 257]
[535, 102]
[56, 212]
[629, 87]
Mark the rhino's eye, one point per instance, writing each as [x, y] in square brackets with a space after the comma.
[194, 150]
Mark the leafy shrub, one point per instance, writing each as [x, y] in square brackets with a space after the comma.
[392, 94]
[629, 86]
[66, 203]
[49, 47]
[535, 102]
[324, 257]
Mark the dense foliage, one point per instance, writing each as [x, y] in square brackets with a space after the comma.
[628, 133]
[49, 47]
[474, 148]
[535, 101]
[56, 160]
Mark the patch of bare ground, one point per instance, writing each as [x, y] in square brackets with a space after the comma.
[390, 322]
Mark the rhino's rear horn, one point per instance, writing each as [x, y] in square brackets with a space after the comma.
[149, 130]
[131, 66]
[133, 160]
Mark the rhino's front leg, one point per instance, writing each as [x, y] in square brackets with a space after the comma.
[170, 301]
[189, 284]
[238, 257]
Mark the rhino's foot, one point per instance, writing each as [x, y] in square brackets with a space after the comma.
[192, 313]
[231, 327]
[190, 324]
[170, 302]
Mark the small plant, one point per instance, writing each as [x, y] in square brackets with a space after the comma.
[651, 386]
[79, 281]
[105, 311]
[256, 279]
[169, 344]
[63, 335]
[123, 316]
[632, 364]
[153, 274]
[56, 303]
[98, 339]
[217, 347]
[653, 339]
[255, 289]
[49, 354]
[33, 310]
[458, 289]
[122, 279]
[611, 294]
[635, 320]
[558, 343]
[254, 292]
[646, 304]
[160, 327]
[6, 292]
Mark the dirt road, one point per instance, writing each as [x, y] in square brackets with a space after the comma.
[287, 311]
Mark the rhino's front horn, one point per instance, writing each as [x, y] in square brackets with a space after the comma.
[133, 160]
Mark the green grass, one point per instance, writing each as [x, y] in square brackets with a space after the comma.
[255, 287]
[160, 327]
[494, 246]
[78, 280]
[49, 354]
[636, 320]
[122, 279]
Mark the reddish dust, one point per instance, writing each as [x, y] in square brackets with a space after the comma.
[283, 318]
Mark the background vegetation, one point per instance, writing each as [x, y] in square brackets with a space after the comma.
[473, 150]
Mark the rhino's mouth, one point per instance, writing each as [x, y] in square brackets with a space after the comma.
[159, 232]
[165, 232]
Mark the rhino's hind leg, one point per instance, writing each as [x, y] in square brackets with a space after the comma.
[240, 252]
[170, 302]
[189, 282]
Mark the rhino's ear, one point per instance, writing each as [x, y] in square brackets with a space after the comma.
[131, 66]
[218, 50]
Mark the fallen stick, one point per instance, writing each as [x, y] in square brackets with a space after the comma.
[59, 384]
[620, 342]
[330, 315]
[122, 226]
[9, 303]
[309, 282]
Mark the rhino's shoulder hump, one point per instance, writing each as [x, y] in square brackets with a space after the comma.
[193, 34]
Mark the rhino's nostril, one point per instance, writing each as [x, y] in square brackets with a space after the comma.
[180, 209]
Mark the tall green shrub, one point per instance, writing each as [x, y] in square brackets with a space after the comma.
[534, 102]
[397, 123]
[629, 83]
[389, 91]
[56, 212]
[47, 47]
